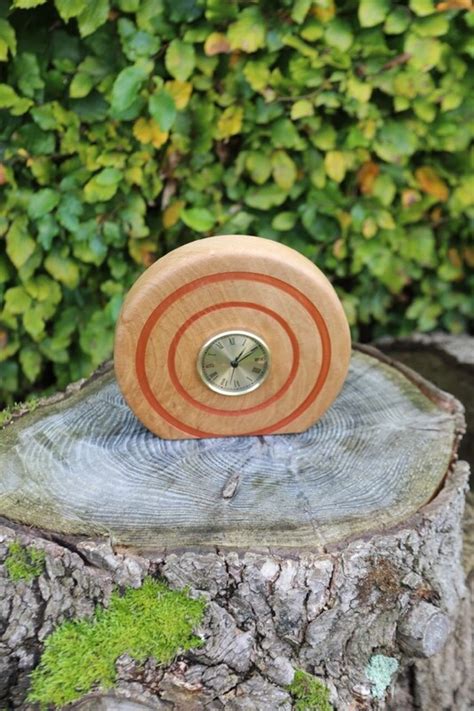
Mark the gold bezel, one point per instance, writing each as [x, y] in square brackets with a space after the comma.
[236, 332]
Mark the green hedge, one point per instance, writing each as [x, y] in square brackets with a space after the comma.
[341, 129]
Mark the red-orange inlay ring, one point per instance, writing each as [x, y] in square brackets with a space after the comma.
[248, 410]
[210, 279]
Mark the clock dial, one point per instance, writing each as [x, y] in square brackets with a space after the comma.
[234, 362]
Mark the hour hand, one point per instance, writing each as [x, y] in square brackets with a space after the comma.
[239, 359]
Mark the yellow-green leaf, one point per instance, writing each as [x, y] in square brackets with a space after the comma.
[248, 32]
[20, 246]
[335, 165]
[360, 90]
[148, 131]
[257, 74]
[259, 166]
[80, 86]
[7, 40]
[17, 300]
[373, 12]
[180, 91]
[199, 219]
[180, 59]
[63, 269]
[283, 169]
[30, 361]
[301, 109]
[230, 122]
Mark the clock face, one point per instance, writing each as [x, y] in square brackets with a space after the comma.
[234, 362]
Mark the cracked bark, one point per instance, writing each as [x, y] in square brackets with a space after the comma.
[321, 551]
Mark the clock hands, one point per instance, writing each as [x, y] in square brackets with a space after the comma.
[239, 359]
[235, 362]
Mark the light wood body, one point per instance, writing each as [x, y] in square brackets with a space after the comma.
[220, 284]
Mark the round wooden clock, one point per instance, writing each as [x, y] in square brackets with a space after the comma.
[231, 335]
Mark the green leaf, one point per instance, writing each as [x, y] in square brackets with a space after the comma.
[384, 189]
[94, 15]
[198, 218]
[301, 109]
[80, 86]
[284, 170]
[63, 269]
[97, 337]
[28, 72]
[266, 197]
[300, 10]
[424, 52]
[432, 26]
[324, 138]
[257, 74]
[162, 108]
[42, 288]
[102, 186]
[34, 323]
[136, 43]
[338, 34]
[248, 32]
[70, 8]
[20, 246]
[9, 99]
[360, 90]
[373, 12]
[42, 202]
[335, 165]
[230, 122]
[7, 40]
[422, 7]
[127, 86]
[27, 4]
[397, 21]
[395, 141]
[284, 134]
[17, 300]
[31, 361]
[180, 59]
[284, 221]
[259, 166]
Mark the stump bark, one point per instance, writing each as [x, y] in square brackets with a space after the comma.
[336, 551]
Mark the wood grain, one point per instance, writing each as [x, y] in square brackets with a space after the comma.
[231, 283]
[85, 465]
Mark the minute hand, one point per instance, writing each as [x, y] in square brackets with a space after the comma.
[239, 360]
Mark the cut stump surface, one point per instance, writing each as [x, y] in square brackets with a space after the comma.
[83, 464]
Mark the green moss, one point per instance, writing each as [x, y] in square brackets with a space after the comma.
[24, 563]
[18, 408]
[309, 693]
[151, 621]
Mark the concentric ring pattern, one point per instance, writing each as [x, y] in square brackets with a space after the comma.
[86, 465]
[219, 284]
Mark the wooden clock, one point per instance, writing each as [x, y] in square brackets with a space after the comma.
[231, 335]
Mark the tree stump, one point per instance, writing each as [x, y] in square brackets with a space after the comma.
[448, 362]
[336, 551]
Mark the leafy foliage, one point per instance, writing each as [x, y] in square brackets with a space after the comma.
[129, 127]
[151, 621]
[24, 563]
